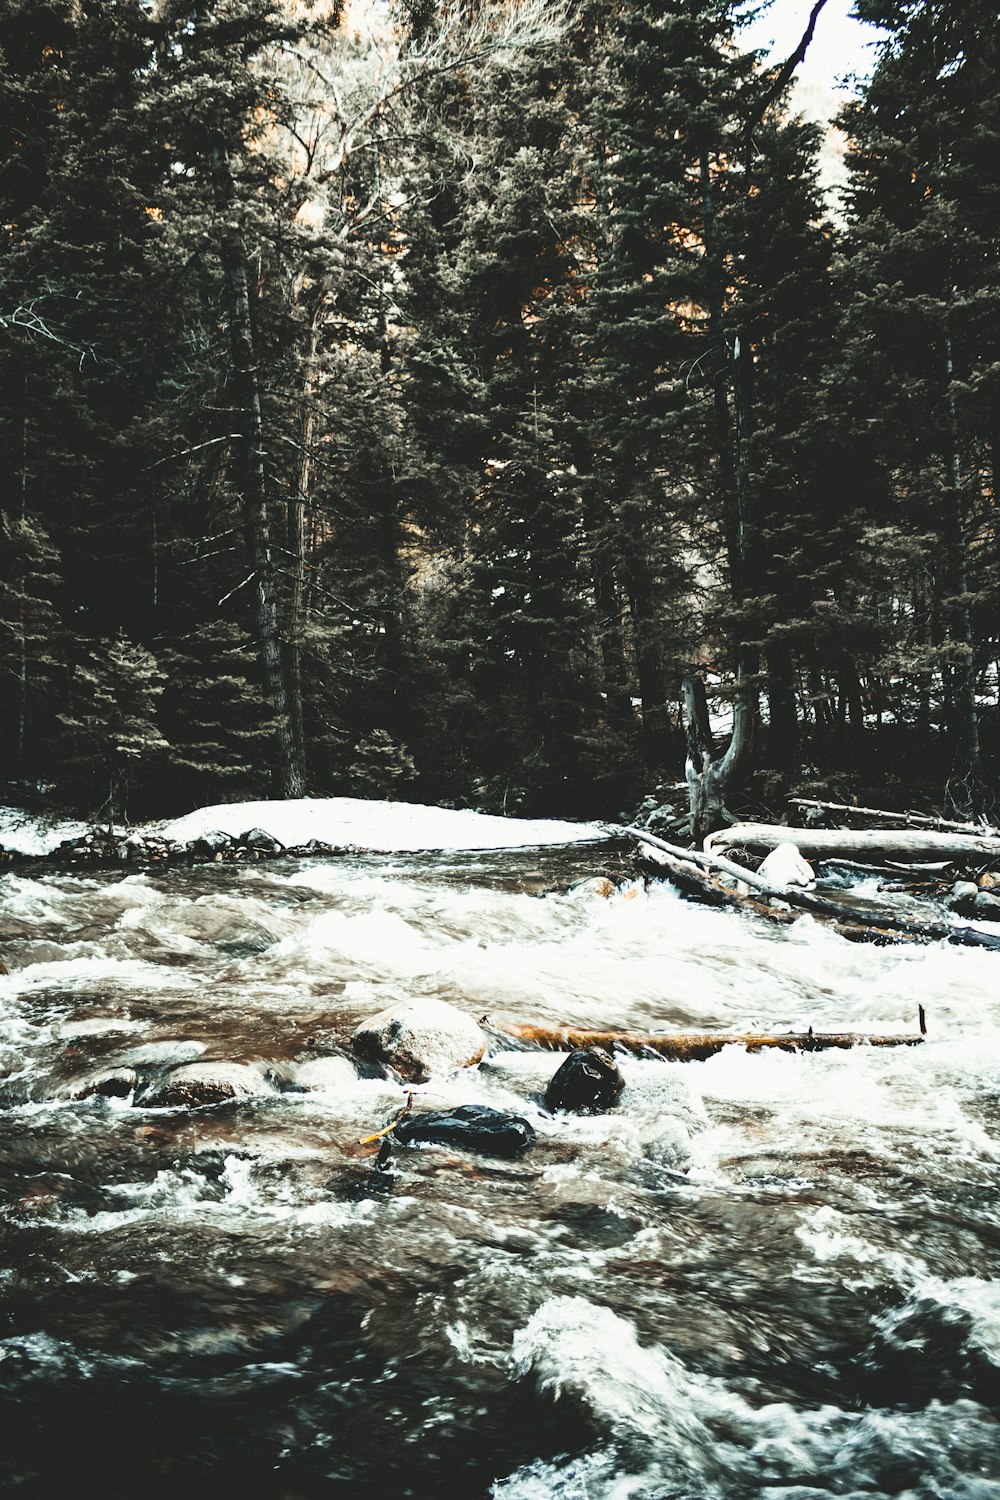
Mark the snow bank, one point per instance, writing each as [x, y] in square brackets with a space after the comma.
[36, 833]
[383, 827]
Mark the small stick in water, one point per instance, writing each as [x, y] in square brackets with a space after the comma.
[369, 1140]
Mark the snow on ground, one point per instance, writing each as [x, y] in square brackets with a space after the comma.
[384, 827]
[36, 833]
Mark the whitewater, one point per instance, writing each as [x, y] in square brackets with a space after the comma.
[770, 1275]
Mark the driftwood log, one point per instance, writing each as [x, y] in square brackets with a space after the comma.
[697, 1046]
[896, 820]
[881, 927]
[911, 846]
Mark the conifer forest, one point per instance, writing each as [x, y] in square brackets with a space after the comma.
[483, 402]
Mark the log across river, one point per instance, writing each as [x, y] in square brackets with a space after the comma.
[761, 1274]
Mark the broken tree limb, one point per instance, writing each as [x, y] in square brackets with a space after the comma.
[697, 1046]
[881, 925]
[368, 1140]
[909, 845]
[897, 820]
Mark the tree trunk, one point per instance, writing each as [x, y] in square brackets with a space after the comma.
[695, 1046]
[908, 846]
[252, 479]
[300, 537]
[709, 776]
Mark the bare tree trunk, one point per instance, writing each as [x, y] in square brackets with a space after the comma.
[300, 532]
[709, 776]
[252, 478]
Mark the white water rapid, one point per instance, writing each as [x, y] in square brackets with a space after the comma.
[758, 1276]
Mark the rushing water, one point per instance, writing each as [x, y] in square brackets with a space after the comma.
[767, 1276]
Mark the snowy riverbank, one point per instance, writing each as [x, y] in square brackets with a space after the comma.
[341, 822]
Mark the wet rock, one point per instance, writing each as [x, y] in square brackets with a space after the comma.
[470, 1127]
[324, 1074]
[169, 1053]
[962, 897]
[212, 845]
[117, 1083]
[657, 1089]
[669, 1146]
[260, 842]
[201, 1083]
[986, 906]
[589, 1081]
[419, 1039]
[594, 885]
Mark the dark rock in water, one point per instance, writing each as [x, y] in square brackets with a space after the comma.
[986, 906]
[588, 1081]
[117, 1083]
[472, 1127]
[210, 845]
[260, 841]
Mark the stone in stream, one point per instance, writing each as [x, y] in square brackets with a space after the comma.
[470, 1127]
[420, 1038]
[986, 906]
[197, 1084]
[116, 1083]
[259, 841]
[962, 897]
[212, 845]
[588, 1082]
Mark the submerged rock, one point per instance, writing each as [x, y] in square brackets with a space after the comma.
[201, 1083]
[470, 1127]
[116, 1083]
[589, 1081]
[420, 1038]
[324, 1074]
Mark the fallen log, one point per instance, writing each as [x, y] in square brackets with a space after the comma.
[897, 820]
[687, 877]
[880, 926]
[697, 1046]
[879, 844]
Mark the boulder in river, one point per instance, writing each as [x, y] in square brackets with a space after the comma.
[260, 842]
[115, 1083]
[213, 845]
[986, 906]
[588, 1082]
[470, 1127]
[420, 1038]
[201, 1083]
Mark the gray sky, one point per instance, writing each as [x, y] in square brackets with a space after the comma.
[841, 45]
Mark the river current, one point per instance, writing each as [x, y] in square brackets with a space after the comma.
[759, 1276]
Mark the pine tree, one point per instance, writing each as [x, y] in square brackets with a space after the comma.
[925, 314]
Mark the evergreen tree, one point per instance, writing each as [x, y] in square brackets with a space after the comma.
[924, 318]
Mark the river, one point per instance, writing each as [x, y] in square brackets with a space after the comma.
[759, 1276]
